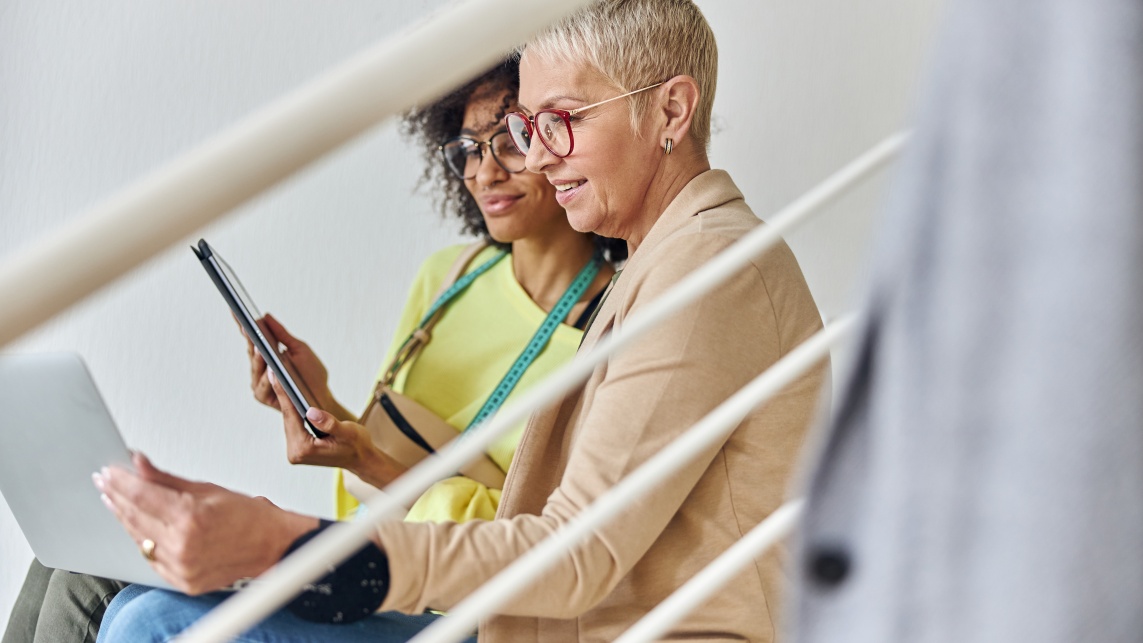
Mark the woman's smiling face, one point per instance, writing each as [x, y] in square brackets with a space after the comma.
[515, 205]
[603, 183]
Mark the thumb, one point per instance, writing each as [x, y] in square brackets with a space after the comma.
[281, 334]
[322, 420]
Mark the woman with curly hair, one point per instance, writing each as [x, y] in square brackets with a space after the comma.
[532, 254]
[530, 263]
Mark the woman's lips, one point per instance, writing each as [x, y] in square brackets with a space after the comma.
[498, 204]
[565, 196]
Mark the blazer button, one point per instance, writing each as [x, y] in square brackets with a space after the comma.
[829, 566]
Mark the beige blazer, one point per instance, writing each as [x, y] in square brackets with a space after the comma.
[632, 406]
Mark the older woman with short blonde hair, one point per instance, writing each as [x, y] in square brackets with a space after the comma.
[615, 106]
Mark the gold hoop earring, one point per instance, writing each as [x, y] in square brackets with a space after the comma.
[668, 146]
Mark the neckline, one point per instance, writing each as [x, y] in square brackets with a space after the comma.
[534, 309]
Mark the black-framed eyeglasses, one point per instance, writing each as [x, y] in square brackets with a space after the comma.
[463, 154]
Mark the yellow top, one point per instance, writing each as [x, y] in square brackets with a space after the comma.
[473, 345]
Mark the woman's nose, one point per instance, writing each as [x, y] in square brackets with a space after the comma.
[539, 158]
[489, 172]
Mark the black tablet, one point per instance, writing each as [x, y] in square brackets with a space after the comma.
[250, 318]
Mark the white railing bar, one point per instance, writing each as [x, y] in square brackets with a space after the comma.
[713, 428]
[415, 67]
[724, 568]
[279, 584]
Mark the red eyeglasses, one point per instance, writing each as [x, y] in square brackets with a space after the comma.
[552, 126]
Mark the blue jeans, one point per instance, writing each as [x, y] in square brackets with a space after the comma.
[144, 615]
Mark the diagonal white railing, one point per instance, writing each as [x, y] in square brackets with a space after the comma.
[724, 568]
[715, 427]
[336, 544]
[268, 146]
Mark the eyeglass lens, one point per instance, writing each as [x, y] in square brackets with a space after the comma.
[554, 131]
[518, 129]
[463, 155]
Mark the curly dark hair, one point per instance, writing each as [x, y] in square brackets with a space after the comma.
[429, 126]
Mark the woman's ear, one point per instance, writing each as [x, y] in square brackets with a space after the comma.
[681, 99]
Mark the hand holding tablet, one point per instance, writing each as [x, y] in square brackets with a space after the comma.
[252, 323]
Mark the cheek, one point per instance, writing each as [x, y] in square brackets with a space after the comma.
[543, 189]
[470, 185]
[528, 180]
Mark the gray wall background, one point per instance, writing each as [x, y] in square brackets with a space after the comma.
[92, 95]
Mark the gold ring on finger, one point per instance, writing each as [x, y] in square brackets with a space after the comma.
[147, 548]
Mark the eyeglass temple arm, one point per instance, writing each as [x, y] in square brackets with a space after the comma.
[577, 110]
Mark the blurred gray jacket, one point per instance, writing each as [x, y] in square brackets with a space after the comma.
[983, 479]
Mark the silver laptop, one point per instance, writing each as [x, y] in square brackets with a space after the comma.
[56, 432]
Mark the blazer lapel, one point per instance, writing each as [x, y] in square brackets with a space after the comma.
[603, 318]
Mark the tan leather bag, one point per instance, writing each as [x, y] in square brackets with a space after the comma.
[401, 427]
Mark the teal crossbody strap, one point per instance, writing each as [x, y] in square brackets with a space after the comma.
[404, 352]
[539, 341]
[459, 286]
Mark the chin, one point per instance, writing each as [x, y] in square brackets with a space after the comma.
[584, 221]
[503, 236]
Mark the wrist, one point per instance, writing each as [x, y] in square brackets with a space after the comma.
[289, 528]
[351, 591]
[376, 467]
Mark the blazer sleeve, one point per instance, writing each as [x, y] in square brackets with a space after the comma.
[652, 392]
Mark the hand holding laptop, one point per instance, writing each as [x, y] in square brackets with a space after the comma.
[204, 537]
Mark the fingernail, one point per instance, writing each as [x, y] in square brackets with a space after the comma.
[105, 473]
[314, 414]
[270, 374]
[106, 501]
[98, 480]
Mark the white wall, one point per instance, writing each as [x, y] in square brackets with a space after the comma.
[94, 94]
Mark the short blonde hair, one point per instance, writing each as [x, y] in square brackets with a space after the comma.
[635, 43]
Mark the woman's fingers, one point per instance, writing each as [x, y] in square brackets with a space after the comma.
[324, 421]
[125, 514]
[259, 384]
[141, 525]
[291, 343]
[257, 365]
[140, 534]
[264, 393]
[350, 437]
[280, 393]
[203, 536]
[340, 448]
[151, 473]
[145, 501]
[293, 421]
